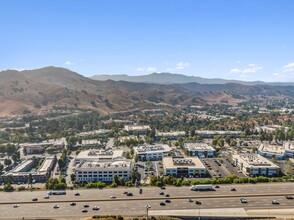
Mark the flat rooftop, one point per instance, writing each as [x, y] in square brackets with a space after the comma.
[198, 147]
[271, 149]
[90, 142]
[137, 127]
[171, 133]
[255, 161]
[190, 162]
[99, 154]
[121, 165]
[23, 166]
[152, 148]
[289, 146]
[47, 163]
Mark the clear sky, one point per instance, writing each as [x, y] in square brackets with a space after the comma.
[232, 39]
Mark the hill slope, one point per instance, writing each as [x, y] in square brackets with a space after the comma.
[40, 89]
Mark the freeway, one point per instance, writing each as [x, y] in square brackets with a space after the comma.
[259, 196]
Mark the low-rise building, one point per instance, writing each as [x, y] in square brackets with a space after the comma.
[183, 167]
[255, 165]
[98, 155]
[152, 152]
[172, 135]
[139, 129]
[289, 149]
[199, 149]
[93, 171]
[91, 143]
[271, 151]
[211, 134]
[22, 172]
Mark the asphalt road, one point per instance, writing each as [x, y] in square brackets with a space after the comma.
[221, 198]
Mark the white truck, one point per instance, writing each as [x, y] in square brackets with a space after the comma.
[201, 187]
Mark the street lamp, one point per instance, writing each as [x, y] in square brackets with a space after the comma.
[147, 209]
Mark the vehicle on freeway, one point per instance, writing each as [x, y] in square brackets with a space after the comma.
[198, 202]
[217, 187]
[161, 193]
[233, 189]
[289, 197]
[141, 191]
[46, 196]
[190, 200]
[162, 187]
[275, 202]
[129, 194]
[201, 187]
[96, 208]
[77, 194]
[112, 197]
[72, 203]
[58, 192]
[56, 206]
[15, 205]
[167, 195]
[125, 192]
[35, 199]
[243, 200]
[167, 201]
[162, 203]
[86, 206]
[84, 210]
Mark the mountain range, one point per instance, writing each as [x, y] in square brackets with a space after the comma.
[171, 78]
[41, 89]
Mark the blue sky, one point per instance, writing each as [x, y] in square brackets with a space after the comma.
[232, 39]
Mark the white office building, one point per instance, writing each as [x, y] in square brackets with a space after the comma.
[99, 155]
[95, 171]
[152, 152]
[271, 151]
[140, 129]
[199, 149]
[289, 149]
[255, 165]
[185, 167]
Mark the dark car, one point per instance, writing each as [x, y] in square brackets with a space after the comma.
[129, 194]
[72, 203]
[275, 202]
[86, 206]
[190, 200]
[34, 199]
[125, 193]
[162, 187]
[162, 203]
[198, 202]
[84, 210]
[161, 193]
[233, 189]
[141, 191]
[289, 197]
[77, 194]
[216, 187]
[167, 195]
[167, 201]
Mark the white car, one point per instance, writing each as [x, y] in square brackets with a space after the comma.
[46, 196]
[112, 197]
[15, 205]
[96, 208]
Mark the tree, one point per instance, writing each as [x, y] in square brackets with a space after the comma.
[116, 180]
[31, 180]
[1, 167]
[72, 177]
[7, 162]
[8, 187]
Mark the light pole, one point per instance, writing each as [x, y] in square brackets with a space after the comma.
[147, 209]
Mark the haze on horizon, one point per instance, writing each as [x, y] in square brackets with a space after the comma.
[243, 40]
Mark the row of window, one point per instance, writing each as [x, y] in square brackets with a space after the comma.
[95, 172]
[111, 176]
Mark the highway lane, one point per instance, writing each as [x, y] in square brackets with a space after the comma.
[136, 207]
[27, 196]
